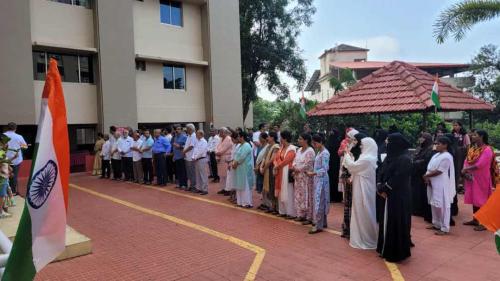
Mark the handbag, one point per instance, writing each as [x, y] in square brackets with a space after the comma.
[291, 179]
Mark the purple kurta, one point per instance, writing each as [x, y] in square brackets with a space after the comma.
[478, 190]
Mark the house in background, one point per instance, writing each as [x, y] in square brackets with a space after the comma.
[343, 56]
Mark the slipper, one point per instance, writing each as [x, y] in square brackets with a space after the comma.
[479, 228]
[440, 233]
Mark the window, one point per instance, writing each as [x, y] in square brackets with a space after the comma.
[171, 12]
[140, 65]
[72, 68]
[39, 66]
[174, 77]
[82, 3]
[85, 136]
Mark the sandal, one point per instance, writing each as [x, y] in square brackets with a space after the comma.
[306, 222]
[479, 228]
[440, 233]
[431, 227]
[472, 223]
[314, 230]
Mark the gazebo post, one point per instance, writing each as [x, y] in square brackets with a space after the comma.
[471, 120]
[424, 120]
[378, 120]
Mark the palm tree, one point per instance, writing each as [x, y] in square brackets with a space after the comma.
[459, 18]
[345, 79]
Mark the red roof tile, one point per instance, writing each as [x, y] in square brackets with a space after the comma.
[356, 65]
[397, 87]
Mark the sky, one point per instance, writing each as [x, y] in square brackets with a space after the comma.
[391, 29]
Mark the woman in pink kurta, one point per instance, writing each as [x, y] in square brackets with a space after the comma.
[302, 164]
[477, 173]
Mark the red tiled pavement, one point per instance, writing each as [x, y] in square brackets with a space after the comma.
[130, 245]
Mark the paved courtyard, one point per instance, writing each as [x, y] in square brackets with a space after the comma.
[149, 233]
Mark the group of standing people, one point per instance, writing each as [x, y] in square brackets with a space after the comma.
[380, 182]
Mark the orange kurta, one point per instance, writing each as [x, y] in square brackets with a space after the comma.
[282, 159]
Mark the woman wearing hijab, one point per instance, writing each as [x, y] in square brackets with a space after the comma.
[393, 185]
[463, 141]
[333, 144]
[440, 179]
[479, 173]
[424, 153]
[321, 185]
[364, 228]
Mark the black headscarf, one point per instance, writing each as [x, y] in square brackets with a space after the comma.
[424, 145]
[397, 145]
[453, 145]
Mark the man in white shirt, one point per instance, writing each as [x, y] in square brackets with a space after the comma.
[213, 142]
[137, 158]
[256, 136]
[15, 153]
[116, 158]
[105, 158]
[124, 146]
[200, 159]
[188, 157]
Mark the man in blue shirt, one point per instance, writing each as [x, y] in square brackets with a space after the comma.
[147, 156]
[160, 149]
[178, 143]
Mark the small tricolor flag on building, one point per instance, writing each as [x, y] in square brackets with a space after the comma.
[489, 215]
[435, 94]
[303, 107]
[41, 236]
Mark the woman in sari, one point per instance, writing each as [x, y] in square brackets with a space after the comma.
[266, 168]
[243, 172]
[283, 185]
[96, 171]
[321, 185]
[302, 164]
[479, 173]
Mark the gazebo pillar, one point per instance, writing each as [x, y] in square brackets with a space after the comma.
[424, 120]
[379, 121]
[471, 120]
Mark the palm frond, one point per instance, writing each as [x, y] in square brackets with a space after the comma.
[460, 18]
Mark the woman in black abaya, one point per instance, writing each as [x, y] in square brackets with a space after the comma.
[420, 202]
[393, 185]
[333, 144]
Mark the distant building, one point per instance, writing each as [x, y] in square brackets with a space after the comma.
[356, 59]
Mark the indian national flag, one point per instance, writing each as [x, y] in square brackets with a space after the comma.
[303, 107]
[435, 94]
[489, 215]
[41, 235]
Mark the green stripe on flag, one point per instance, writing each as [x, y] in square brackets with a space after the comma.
[435, 99]
[497, 241]
[20, 265]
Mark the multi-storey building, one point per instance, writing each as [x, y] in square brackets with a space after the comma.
[123, 62]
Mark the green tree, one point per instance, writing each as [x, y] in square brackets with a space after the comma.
[486, 68]
[265, 112]
[269, 48]
[344, 80]
[459, 18]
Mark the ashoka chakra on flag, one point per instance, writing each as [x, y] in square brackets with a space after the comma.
[42, 184]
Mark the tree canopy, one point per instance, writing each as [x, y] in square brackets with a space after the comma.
[269, 30]
[461, 17]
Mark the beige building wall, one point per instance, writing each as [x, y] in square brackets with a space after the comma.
[60, 25]
[158, 105]
[153, 38]
[81, 101]
[346, 56]
[16, 77]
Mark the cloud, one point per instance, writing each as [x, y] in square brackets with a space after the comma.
[383, 48]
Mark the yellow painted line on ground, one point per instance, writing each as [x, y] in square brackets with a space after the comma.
[259, 252]
[392, 267]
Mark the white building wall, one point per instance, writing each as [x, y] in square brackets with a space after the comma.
[81, 101]
[158, 105]
[57, 24]
[153, 38]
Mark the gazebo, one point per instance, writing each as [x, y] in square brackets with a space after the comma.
[398, 88]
